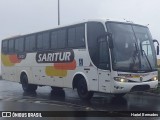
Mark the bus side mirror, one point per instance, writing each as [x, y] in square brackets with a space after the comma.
[157, 45]
[157, 49]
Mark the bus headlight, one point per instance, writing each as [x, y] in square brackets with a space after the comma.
[120, 79]
[154, 78]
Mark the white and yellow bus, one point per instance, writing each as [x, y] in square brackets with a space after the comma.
[91, 56]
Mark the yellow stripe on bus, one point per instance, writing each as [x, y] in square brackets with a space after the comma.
[51, 71]
[6, 61]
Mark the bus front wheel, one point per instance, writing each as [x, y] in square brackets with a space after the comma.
[26, 86]
[82, 90]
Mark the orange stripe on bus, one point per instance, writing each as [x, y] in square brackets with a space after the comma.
[66, 66]
[14, 59]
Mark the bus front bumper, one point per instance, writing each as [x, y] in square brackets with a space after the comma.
[125, 87]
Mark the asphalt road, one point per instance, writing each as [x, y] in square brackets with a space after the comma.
[12, 98]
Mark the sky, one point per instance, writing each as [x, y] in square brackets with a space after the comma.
[19, 17]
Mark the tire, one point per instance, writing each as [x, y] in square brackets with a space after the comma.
[56, 88]
[57, 91]
[82, 90]
[120, 95]
[27, 87]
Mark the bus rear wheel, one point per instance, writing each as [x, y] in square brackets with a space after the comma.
[26, 86]
[82, 90]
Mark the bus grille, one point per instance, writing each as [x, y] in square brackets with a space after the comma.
[140, 88]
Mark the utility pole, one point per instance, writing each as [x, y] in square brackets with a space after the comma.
[58, 12]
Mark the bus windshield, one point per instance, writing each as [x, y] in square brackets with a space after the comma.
[133, 47]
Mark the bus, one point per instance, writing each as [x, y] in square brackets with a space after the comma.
[90, 56]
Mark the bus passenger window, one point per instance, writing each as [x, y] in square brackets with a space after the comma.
[76, 37]
[5, 46]
[46, 40]
[43, 41]
[61, 38]
[11, 46]
[39, 42]
[19, 45]
[30, 43]
[54, 40]
[71, 37]
[80, 36]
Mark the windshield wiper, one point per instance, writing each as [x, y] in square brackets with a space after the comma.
[143, 52]
[147, 59]
[135, 55]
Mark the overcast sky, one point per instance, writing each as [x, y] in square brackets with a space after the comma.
[26, 16]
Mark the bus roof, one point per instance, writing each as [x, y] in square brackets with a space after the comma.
[84, 21]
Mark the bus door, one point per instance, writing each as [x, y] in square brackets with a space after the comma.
[103, 65]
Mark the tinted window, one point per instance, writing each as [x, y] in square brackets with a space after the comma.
[103, 54]
[27, 44]
[61, 38]
[54, 40]
[94, 31]
[30, 43]
[43, 41]
[39, 41]
[76, 36]
[11, 46]
[80, 36]
[46, 42]
[19, 45]
[5, 46]
[71, 37]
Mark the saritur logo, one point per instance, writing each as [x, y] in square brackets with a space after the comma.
[55, 56]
